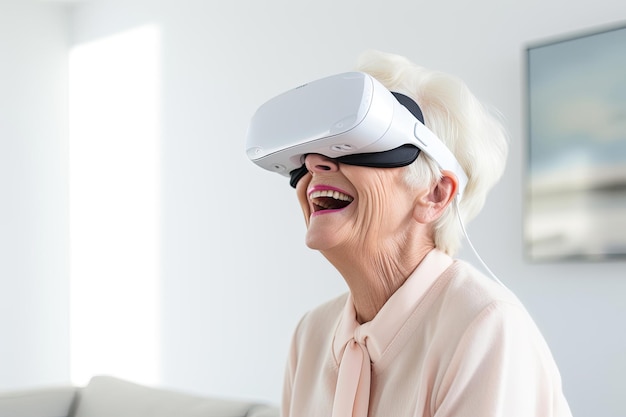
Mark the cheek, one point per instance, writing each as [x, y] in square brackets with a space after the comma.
[371, 211]
[385, 204]
[375, 207]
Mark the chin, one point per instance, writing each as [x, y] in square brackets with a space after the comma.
[321, 243]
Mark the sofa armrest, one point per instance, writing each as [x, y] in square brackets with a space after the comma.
[107, 396]
[264, 411]
[43, 402]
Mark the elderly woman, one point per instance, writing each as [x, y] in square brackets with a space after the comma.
[419, 333]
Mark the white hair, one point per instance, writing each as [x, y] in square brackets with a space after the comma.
[474, 135]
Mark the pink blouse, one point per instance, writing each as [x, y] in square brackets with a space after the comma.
[449, 342]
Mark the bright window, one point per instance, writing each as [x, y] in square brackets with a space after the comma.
[114, 200]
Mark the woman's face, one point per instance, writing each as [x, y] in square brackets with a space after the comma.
[351, 207]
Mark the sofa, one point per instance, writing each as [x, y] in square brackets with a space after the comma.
[106, 396]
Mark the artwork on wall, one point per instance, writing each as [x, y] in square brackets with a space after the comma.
[576, 176]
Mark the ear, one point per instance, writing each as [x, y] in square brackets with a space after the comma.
[430, 205]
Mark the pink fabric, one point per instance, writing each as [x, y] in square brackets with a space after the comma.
[447, 344]
[356, 345]
[353, 382]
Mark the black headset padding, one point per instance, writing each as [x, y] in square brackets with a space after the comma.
[411, 105]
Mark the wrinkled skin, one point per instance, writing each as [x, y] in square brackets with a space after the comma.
[377, 240]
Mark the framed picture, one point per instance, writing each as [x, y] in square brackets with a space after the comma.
[576, 172]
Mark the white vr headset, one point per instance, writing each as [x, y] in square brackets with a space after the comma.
[350, 117]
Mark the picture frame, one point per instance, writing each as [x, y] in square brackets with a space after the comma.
[575, 187]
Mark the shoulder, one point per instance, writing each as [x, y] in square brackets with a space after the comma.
[471, 303]
[492, 342]
[331, 307]
[319, 324]
[483, 312]
[471, 292]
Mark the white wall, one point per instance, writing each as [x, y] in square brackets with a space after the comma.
[34, 264]
[234, 273]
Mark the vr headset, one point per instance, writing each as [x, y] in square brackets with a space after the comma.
[350, 117]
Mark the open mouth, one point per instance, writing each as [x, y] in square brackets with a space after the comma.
[325, 200]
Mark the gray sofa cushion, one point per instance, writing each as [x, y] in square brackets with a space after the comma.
[48, 402]
[111, 397]
[264, 411]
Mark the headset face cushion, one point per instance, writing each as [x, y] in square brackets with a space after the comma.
[394, 158]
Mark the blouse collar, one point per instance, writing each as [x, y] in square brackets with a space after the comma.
[377, 334]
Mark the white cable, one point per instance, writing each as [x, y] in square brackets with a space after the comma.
[458, 214]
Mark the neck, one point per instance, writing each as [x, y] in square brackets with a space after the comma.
[374, 275]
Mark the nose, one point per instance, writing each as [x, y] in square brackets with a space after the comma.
[319, 163]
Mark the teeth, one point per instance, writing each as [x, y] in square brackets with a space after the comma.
[330, 193]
